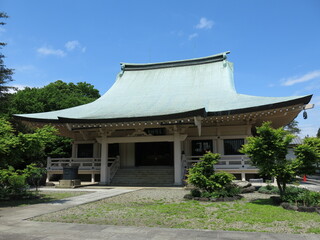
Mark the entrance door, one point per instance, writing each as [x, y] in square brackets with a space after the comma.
[154, 154]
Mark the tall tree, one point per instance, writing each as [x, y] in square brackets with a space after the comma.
[21, 149]
[308, 155]
[318, 133]
[292, 127]
[5, 74]
[54, 96]
[268, 152]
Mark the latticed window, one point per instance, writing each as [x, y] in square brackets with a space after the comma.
[232, 146]
[200, 147]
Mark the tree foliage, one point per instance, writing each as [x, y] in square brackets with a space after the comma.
[308, 155]
[5, 74]
[21, 149]
[55, 96]
[34, 174]
[14, 183]
[318, 133]
[268, 152]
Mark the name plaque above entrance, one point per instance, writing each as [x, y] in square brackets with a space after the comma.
[155, 131]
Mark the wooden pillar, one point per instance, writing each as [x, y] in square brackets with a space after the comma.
[104, 178]
[177, 159]
[243, 176]
[92, 177]
[48, 177]
[74, 150]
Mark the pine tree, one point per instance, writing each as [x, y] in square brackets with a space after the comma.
[5, 73]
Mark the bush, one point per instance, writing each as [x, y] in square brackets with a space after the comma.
[301, 197]
[292, 194]
[269, 189]
[221, 180]
[34, 174]
[228, 191]
[12, 184]
[199, 175]
[309, 198]
[195, 192]
[202, 174]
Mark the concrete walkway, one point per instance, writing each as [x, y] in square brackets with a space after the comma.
[14, 224]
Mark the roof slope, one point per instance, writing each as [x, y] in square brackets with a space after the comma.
[202, 86]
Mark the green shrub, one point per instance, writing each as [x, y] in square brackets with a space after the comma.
[269, 189]
[202, 174]
[34, 174]
[309, 198]
[292, 194]
[229, 190]
[12, 184]
[199, 175]
[221, 179]
[195, 192]
[301, 197]
[206, 194]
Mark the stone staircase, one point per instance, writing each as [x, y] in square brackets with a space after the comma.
[144, 176]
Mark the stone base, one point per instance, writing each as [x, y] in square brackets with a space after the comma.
[50, 184]
[69, 183]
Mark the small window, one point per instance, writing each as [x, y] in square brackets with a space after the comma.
[85, 151]
[232, 146]
[200, 147]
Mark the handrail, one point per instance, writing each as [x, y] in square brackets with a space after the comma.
[82, 163]
[112, 170]
[226, 162]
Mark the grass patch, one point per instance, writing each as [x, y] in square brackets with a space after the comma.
[43, 197]
[243, 215]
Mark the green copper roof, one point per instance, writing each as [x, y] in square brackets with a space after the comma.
[202, 86]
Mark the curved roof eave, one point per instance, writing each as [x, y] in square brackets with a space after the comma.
[301, 100]
[197, 112]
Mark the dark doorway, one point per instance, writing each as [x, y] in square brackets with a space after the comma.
[154, 154]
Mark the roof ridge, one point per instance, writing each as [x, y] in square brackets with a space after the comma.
[187, 62]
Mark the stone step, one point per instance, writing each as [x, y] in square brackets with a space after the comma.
[144, 176]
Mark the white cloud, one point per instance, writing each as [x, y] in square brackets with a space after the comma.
[50, 51]
[193, 35]
[307, 77]
[75, 44]
[16, 87]
[71, 45]
[204, 23]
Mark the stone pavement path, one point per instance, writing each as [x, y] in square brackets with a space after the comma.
[15, 226]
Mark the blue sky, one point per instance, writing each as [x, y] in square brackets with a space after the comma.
[275, 45]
